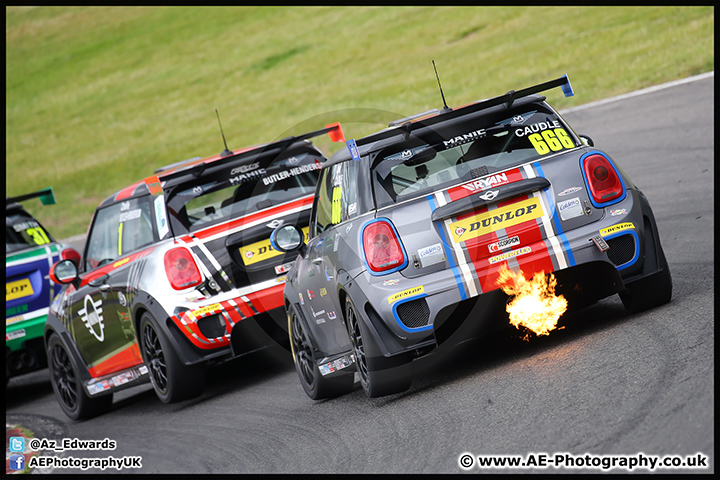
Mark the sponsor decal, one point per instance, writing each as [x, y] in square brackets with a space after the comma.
[616, 228]
[614, 213]
[323, 292]
[153, 185]
[13, 335]
[204, 310]
[161, 216]
[348, 228]
[197, 190]
[311, 294]
[410, 292]
[332, 315]
[9, 312]
[391, 282]
[517, 119]
[510, 254]
[569, 191]
[18, 289]
[352, 208]
[407, 154]
[250, 175]
[352, 147]
[281, 279]
[300, 297]
[504, 243]
[122, 262]
[335, 365]
[143, 370]
[465, 138]
[497, 219]
[19, 227]
[570, 208]
[91, 315]
[317, 314]
[489, 195]
[245, 168]
[292, 160]
[123, 378]
[536, 127]
[284, 268]
[276, 177]
[122, 299]
[431, 255]
[131, 215]
[328, 277]
[262, 250]
[488, 182]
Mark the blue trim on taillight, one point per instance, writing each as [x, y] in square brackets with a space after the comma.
[587, 184]
[448, 249]
[556, 219]
[397, 237]
[399, 322]
[637, 248]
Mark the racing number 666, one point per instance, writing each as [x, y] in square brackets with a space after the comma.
[550, 140]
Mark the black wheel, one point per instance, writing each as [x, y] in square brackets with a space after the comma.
[378, 376]
[315, 385]
[650, 291]
[172, 380]
[66, 383]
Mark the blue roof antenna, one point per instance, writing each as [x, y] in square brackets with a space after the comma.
[566, 87]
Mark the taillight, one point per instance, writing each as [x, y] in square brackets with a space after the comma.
[382, 248]
[603, 181]
[181, 269]
[71, 254]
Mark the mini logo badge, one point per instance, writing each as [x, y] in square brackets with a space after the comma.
[568, 191]
[490, 195]
[92, 317]
[406, 154]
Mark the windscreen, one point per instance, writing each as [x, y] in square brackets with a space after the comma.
[22, 231]
[243, 188]
[473, 149]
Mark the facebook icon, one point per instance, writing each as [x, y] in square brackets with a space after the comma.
[17, 462]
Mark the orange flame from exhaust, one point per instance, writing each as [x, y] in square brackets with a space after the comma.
[535, 305]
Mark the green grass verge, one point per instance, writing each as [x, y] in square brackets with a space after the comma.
[98, 97]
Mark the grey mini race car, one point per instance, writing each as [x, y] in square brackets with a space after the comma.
[412, 227]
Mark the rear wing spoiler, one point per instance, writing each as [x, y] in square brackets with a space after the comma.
[47, 197]
[508, 99]
[334, 131]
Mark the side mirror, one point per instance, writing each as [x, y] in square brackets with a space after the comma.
[69, 253]
[288, 238]
[587, 140]
[63, 272]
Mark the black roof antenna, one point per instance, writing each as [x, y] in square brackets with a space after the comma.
[445, 107]
[225, 152]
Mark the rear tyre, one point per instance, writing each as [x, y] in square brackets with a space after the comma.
[650, 291]
[68, 388]
[379, 376]
[172, 380]
[315, 385]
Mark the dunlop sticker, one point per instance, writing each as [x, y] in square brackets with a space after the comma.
[491, 221]
[19, 289]
[411, 292]
[616, 228]
[262, 250]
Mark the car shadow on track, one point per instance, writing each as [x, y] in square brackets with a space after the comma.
[505, 346]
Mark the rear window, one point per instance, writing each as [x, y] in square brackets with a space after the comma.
[474, 149]
[23, 231]
[243, 189]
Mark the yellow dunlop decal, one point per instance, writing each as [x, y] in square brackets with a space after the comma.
[121, 262]
[19, 289]
[493, 220]
[336, 205]
[510, 254]
[208, 309]
[262, 250]
[616, 228]
[411, 292]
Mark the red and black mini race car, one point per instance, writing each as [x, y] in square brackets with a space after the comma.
[178, 271]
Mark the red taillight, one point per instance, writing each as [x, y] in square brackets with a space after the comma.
[71, 254]
[382, 248]
[181, 269]
[602, 179]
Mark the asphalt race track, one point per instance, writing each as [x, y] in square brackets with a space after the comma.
[608, 383]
